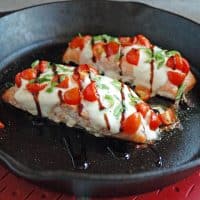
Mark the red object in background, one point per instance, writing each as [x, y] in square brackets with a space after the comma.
[15, 188]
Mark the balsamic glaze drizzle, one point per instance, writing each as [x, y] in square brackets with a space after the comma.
[123, 106]
[152, 72]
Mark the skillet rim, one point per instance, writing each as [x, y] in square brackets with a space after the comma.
[42, 175]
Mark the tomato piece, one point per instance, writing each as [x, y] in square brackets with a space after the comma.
[29, 74]
[87, 68]
[77, 42]
[168, 117]
[133, 56]
[42, 66]
[64, 83]
[155, 121]
[171, 63]
[131, 124]
[182, 64]
[2, 125]
[143, 92]
[112, 48]
[142, 40]
[125, 41]
[98, 49]
[90, 92]
[35, 87]
[176, 78]
[72, 96]
[18, 80]
[143, 108]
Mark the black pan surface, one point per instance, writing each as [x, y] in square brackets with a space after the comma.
[68, 159]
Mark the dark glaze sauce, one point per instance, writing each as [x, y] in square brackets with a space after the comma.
[152, 71]
[60, 96]
[123, 106]
[107, 121]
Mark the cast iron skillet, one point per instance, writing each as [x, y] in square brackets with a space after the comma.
[40, 150]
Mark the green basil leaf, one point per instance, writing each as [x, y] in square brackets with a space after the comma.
[50, 89]
[118, 110]
[35, 63]
[97, 38]
[180, 92]
[116, 84]
[133, 100]
[102, 86]
[110, 99]
[172, 53]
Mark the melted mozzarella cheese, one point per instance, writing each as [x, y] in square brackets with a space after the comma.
[25, 98]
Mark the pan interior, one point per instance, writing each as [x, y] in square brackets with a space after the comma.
[43, 145]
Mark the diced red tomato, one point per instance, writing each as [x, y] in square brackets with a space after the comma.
[155, 121]
[112, 48]
[90, 92]
[177, 62]
[168, 117]
[181, 64]
[64, 83]
[77, 42]
[131, 124]
[87, 68]
[72, 96]
[171, 63]
[143, 92]
[2, 125]
[98, 49]
[176, 78]
[35, 87]
[42, 66]
[143, 108]
[142, 40]
[126, 41]
[29, 74]
[133, 56]
[18, 80]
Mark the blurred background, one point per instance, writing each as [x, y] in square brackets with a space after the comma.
[187, 8]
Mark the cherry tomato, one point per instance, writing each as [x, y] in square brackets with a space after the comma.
[29, 74]
[155, 121]
[133, 56]
[131, 124]
[171, 63]
[90, 93]
[72, 96]
[42, 66]
[143, 92]
[143, 108]
[64, 83]
[181, 64]
[112, 48]
[176, 78]
[35, 87]
[77, 42]
[87, 68]
[168, 117]
[142, 40]
[2, 125]
[125, 41]
[98, 49]
[18, 80]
